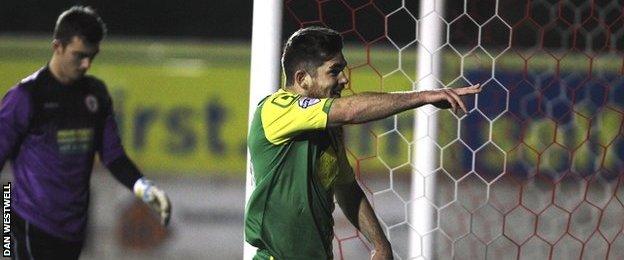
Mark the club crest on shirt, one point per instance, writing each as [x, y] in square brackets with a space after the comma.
[91, 103]
[308, 102]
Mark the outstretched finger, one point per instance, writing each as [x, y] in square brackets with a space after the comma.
[469, 90]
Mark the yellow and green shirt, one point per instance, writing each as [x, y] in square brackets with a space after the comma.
[296, 162]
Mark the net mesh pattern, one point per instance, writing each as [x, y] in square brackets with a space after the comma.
[534, 171]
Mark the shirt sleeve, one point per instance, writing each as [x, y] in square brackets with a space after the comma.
[15, 113]
[285, 115]
[111, 147]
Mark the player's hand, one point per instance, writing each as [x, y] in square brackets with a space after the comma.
[382, 255]
[450, 98]
[154, 197]
[383, 251]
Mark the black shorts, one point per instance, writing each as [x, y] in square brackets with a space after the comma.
[30, 242]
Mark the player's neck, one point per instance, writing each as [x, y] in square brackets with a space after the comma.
[55, 70]
[295, 89]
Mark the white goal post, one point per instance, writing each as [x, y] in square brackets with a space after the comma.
[264, 79]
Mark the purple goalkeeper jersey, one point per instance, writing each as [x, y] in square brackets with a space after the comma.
[50, 132]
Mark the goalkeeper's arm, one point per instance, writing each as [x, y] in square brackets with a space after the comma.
[129, 175]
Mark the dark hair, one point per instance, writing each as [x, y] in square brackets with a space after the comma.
[309, 48]
[80, 21]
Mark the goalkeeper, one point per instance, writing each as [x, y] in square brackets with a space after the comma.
[298, 156]
[51, 125]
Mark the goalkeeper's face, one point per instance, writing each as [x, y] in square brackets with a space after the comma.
[74, 58]
[330, 78]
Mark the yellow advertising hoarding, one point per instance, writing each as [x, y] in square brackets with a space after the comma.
[182, 109]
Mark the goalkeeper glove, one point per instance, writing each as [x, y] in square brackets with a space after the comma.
[154, 197]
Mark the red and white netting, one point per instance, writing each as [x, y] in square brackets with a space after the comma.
[534, 171]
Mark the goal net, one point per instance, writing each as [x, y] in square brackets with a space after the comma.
[534, 171]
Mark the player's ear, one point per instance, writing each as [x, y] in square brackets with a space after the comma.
[302, 78]
[57, 45]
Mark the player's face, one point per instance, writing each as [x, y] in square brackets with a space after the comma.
[75, 58]
[330, 78]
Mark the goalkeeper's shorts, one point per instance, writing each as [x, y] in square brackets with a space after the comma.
[30, 242]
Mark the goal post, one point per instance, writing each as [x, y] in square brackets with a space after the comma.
[265, 72]
[430, 36]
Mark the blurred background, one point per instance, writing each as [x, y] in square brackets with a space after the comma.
[534, 171]
[179, 75]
